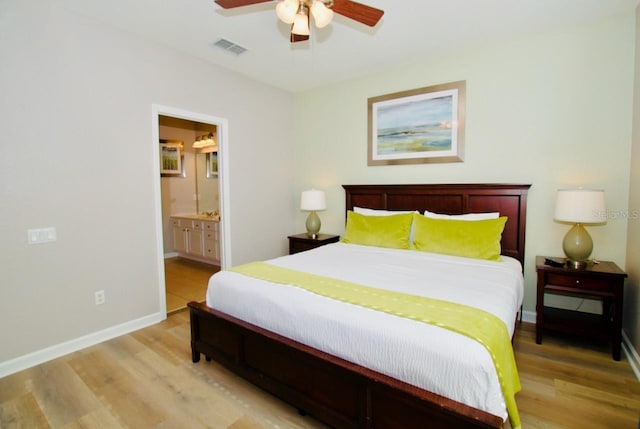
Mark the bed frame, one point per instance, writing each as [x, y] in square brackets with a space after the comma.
[340, 393]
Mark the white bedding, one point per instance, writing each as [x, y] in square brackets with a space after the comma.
[420, 354]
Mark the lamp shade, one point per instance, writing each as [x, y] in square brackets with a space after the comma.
[313, 200]
[580, 206]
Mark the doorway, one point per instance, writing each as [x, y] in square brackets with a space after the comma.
[160, 114]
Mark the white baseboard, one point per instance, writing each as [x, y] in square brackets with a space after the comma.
[529, 316]
[170, 255]
[35, 358]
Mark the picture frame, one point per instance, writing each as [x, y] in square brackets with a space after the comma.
[212, 165]
[424, 125]
[172, 158]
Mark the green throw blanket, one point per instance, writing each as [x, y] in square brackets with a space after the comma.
[477, 324]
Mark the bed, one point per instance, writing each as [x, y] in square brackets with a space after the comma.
[328, 384]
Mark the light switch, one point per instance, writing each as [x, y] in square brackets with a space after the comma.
[41, 235]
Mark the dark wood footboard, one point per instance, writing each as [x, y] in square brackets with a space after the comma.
[334, 391]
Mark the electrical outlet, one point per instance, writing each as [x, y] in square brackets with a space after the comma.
[99, 295]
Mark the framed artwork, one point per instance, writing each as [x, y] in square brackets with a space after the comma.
[418, 126]
[172, 158]
[212, 165]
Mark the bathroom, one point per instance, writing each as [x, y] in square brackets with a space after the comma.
[190, 208]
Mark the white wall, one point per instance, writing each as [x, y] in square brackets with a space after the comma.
[632, 288]
[76, 111]
[552, 110]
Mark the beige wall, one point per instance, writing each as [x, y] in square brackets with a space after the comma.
[76, 108]
[552, 110]
[632, 292]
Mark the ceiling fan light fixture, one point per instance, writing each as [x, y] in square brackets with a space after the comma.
[297, 13]
[301, 22]
[286, 10]
[322, 15]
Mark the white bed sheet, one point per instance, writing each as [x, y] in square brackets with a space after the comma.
[427, 356]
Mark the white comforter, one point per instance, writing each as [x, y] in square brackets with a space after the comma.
[420, 354]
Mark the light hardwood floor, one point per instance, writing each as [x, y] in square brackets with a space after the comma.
[146, 380]
[186, 281]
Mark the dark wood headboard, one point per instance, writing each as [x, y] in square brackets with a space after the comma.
[508, 199]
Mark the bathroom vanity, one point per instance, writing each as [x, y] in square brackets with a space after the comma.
[197, 237]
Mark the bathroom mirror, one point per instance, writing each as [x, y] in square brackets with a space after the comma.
[206, 183]
[199, 180]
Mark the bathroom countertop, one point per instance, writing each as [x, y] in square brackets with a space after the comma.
[198, 217]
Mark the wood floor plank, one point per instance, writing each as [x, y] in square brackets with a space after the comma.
[99, 369]
[170, 346]
[62, 395]
[22, 412]
[185, 281]
[569, 386]
[14, 386]
[98, 419]
[175, 389]
[134, 408]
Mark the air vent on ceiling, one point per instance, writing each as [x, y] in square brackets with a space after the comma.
[230, 46]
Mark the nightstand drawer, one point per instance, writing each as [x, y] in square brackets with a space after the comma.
[301, 246]
[588, 283]
[302, 242]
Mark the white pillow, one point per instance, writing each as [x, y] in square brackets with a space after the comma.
[467, 216]
[378, 212]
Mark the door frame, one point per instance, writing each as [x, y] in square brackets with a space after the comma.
[222, 125]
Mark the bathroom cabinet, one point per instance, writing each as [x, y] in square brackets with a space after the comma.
[195, 238]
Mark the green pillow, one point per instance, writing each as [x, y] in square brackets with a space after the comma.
[478, 239]
[382, 231]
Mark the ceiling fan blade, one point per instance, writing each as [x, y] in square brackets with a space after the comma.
[358, 12]
[230, 4]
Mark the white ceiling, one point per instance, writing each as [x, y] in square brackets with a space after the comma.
[409, 31]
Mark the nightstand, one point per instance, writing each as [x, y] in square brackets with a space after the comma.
[302, 242]
[602, 281]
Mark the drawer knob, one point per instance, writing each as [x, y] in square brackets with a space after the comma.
[577, 282]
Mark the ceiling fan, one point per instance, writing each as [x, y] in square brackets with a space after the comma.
[296, 13]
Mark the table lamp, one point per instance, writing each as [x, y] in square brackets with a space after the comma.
[313, 201]
[579, 206]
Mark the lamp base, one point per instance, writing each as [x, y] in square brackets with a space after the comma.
[313, 225]
[577, 265]
[577, 245]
